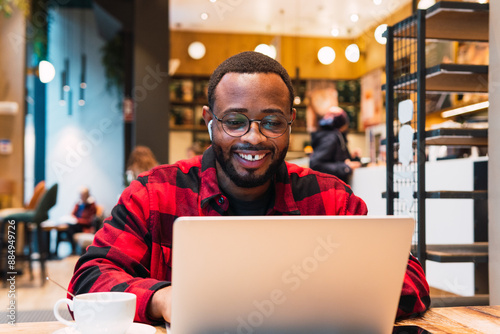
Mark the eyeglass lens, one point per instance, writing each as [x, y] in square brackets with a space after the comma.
[236, 124]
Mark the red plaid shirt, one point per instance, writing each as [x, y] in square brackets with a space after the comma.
[132, 252]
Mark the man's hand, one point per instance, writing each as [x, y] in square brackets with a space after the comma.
[352, 164]
[160, 305]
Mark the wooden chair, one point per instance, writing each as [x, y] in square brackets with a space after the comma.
[37, 195]
[35, 199]
[31, 221]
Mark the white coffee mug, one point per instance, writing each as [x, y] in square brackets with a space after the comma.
[100, 312]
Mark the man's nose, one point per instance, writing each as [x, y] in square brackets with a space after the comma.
[254, 136]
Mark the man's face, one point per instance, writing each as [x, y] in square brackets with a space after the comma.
[252, 159]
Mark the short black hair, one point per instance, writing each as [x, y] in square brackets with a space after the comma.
[248, 62]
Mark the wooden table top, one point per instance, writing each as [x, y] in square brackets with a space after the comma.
[443, 320]
[463, 320]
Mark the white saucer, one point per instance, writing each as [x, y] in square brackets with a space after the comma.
[135, 328]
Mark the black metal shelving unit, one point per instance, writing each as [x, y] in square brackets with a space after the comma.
[408, 78]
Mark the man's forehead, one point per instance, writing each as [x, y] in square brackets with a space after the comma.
[242, 75]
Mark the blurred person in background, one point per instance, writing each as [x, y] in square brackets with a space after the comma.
[81, 219]
[329, 142]
[141, 159]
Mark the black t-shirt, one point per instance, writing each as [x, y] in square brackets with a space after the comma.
[258, 207]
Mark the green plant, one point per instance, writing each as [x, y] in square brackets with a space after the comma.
[7, 6]
[114, 66]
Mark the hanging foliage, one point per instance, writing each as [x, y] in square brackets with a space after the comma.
[114, 66]
[38, 28]
[7, 6]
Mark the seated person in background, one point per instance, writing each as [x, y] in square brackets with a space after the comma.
[141, 159]
[81, 219]
[329, 142]
[249, 116]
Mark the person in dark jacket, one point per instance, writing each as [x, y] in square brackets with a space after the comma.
[330, 152]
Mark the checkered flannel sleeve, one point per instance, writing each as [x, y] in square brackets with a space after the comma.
[415, 298]
[120, 257]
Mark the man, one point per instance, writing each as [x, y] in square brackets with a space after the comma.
[329, 142]
[249, 118]
[81, 219]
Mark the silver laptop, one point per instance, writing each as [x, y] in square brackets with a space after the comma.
[288, 274]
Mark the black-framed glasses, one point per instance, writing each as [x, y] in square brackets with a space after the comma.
[237, 124]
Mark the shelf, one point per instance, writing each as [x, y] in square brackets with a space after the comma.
[446, 194]
[445, 21]
[457, 137]
[475, 194]
[450, 78]
[476, 252]
[8, 108]
[452, 137]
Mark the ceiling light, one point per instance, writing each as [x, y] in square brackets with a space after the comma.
[326, 55]
[46, 71]
[335, 32]
[377, 2]
[204, 16]
[354, 17]
[268, 50]
[466, 109]
[196, 50]
[213, 0]
[424, 4]
[379, 32]
[352, 53]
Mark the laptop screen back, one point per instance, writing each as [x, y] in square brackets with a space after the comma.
[277, 274]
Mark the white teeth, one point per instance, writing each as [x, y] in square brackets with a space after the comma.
[250, 157]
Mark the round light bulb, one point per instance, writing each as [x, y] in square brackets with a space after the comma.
[46, 71]
[326, 55]
[379, 31]
[424, 4]
[196, 50]
[354, 17]
[352, 53]
[335, 32]
[268, 50]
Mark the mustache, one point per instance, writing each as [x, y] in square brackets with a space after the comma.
[249, 147]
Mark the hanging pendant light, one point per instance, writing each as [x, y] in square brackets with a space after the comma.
[62, 101]
[83, 69]
[83, 84]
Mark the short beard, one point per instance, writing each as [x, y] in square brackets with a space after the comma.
[251, 180]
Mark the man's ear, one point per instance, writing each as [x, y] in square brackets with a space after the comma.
[207, 115]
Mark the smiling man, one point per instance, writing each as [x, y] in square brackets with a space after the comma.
[249, 118]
